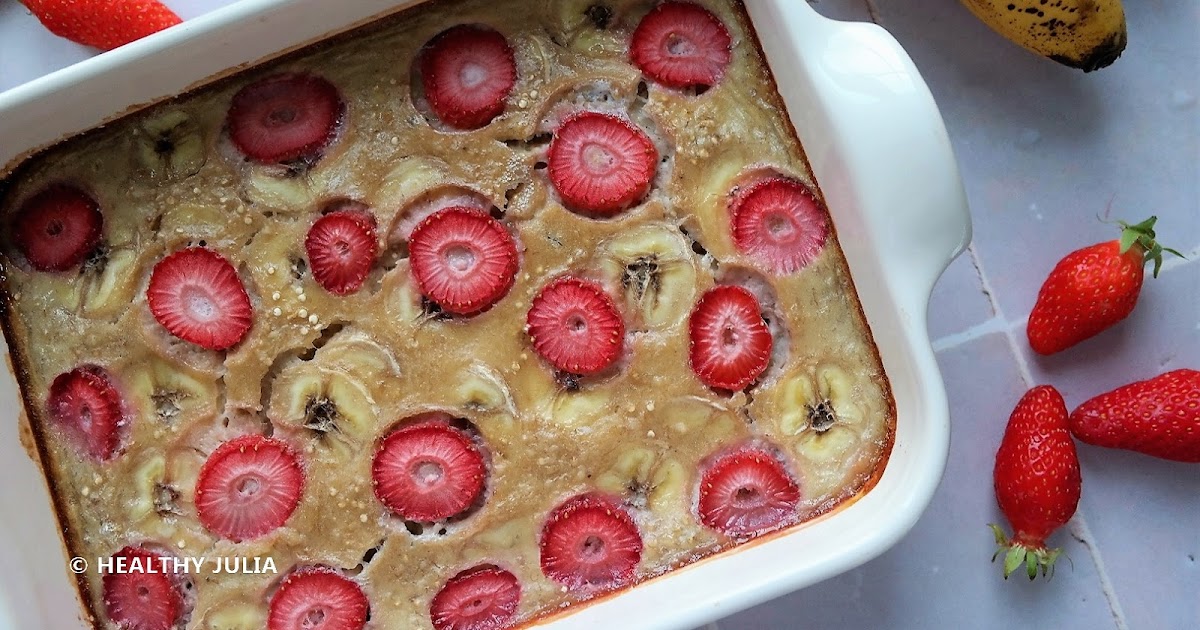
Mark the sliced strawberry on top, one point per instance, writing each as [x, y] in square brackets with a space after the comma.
[467, 72]
[285, 117]
[463, 259]
[747, 492]
[590, 542]
[480, 598]
[341, 248]
[102, 24]
[601, 164]
[248, 487]
[142, 596]
[87, 407]
[576, 326]
[57, 228]
[681, 45]
[780, 224]
[318, 598]
[197, 296]
[428, 471]
[730, 342]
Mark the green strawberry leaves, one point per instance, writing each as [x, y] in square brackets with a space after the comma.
[1016, 554]
[1142, 234]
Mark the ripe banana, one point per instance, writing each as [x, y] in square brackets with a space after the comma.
[1084, 34]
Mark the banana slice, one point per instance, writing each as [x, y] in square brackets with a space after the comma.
[170, 146]
[581, 408]
[355, 354]
[655, 267]
[147, 482]
[482, 389]
[646, 479]
[572, 20]
[324, 401]
[409, 179]
[108, 284]
[243, 616]
[171, 394]
[276, 190]
[823, 422]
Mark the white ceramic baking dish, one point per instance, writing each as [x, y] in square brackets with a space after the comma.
[879, 150]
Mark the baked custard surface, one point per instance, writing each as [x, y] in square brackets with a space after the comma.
[331, 375]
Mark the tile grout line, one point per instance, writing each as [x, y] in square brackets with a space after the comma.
[1078, 526]
[872, 11]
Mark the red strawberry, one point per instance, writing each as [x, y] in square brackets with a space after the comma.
[249, 487]
[481, 598]
[103, 24]
[285, 117]
[576, 326]
[428, 471]
[57, 228]
[1158, 417]
[780, 224]
[463, 259]
[681, 45]
[1037, 480]
[84, 403]
[1093, 288]
[590, 542]
[601, 164]
[144, 594]
[467, 72]
[747, 492]
[730, 342]
[318, 598]
[341, 247]
[197, 296]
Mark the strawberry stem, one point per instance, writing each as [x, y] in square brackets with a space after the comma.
[1017, 554]
[1142, 234]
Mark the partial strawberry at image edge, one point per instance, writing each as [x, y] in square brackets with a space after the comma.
[102, 24]
[1159, 417]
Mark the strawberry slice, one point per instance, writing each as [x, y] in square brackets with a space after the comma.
[102, 24]
[86, 406]
[463, 259]
[730, 342]
[780, 224]
[248, 487]
[341, 247]
[144, 594]
[747, 492]
[681, 45]
[318, 598]
[601, 164]
[428, 471]
[57, 228]
[481, 598]
[197, 296]
[576, 326]
[285, 117]
[590, 542]
[468, 71]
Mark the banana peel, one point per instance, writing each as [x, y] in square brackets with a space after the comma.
[1084, 34]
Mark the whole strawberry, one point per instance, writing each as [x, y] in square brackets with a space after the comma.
[103, 24]
[1158, 417]
[1037, 480]
[1093, 288]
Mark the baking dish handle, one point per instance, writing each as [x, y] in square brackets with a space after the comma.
[868, 116]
